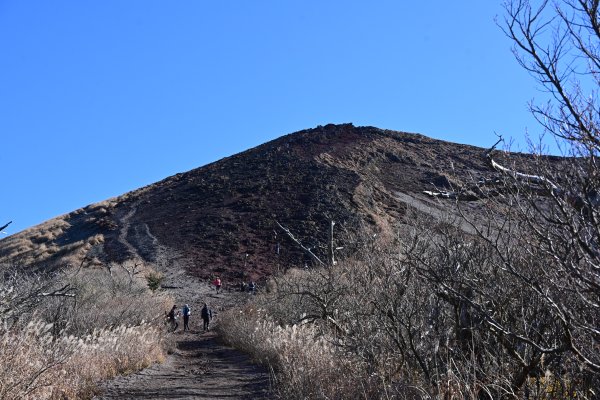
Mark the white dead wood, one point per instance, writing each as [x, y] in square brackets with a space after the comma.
[62, 292]
[527, 178]
[299, 243]
[519, 176]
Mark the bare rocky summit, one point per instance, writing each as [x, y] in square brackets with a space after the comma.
[222, 218]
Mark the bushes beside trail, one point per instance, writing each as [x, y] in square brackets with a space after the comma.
[432, 316]
[64, 333]
[35, 365]
[305, 365]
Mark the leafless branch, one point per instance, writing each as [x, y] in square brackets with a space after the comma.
[6, 225]
[306, 249]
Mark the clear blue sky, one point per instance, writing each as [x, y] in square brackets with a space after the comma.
[98, 98]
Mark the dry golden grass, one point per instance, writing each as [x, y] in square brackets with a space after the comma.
[304, 364]
[38, 244]
[60, 347]
[36, 365]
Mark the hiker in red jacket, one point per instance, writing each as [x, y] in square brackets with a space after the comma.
[217, 283]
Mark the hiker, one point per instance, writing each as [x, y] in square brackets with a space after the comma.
[186, 317]
[252, 287]
[206, 315]
[172, 318]
[217, 283]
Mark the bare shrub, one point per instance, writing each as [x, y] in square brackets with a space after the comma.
[438, 314]
[368, 316]
[305, 363]
[22, 293]
[105, 301]
[63, 332]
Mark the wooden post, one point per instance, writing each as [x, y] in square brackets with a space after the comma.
[331, 246]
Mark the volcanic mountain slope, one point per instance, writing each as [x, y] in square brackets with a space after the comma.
[222, 218]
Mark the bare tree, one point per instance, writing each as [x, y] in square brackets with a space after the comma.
[557, 42]
[538, 228]
[22, 293]
[543, 225]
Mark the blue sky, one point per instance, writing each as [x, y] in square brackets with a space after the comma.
[98, 98]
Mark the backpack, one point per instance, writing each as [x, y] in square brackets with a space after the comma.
[186, 311]
[206, 313]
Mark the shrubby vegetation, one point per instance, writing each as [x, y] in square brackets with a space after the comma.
[305, 363]
[498, 300]
[63, 332]
[435, 314]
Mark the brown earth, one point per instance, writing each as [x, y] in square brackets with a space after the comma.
[222, 218]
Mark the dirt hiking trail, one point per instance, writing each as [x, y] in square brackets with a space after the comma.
[200, 366]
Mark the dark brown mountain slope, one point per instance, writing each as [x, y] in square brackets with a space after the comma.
[215, 215]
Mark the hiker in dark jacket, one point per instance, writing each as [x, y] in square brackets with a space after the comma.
[206, 315]
[186, 317]
[172, 318]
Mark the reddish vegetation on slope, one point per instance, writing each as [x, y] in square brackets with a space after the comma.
[221, 218]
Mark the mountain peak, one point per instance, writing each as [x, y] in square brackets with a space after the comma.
[222, 218]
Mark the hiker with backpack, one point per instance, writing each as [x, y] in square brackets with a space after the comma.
[206, 315]
[172, 318]
[186, 311]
